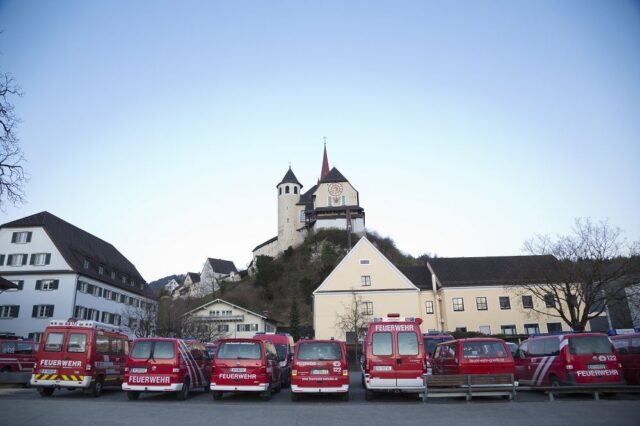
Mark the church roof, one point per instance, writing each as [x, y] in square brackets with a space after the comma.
[306, 199]
[334, 176]
[289, 177]
[222, 266]
[325, 164]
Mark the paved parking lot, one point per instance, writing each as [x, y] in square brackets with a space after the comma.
[25, 407]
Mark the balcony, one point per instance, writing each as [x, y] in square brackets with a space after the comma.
[219, 318]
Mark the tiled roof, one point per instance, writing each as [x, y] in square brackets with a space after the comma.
[222, 266]
[76, 246]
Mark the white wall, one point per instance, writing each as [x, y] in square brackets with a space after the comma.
[357, 224]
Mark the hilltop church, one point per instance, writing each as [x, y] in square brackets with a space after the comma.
[331, 203]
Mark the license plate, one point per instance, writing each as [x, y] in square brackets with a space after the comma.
[596, 367]
[319, 372]
[381, 368]
[48, 371]
[139, 370]
[238, 370]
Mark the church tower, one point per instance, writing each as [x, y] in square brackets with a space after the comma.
[288, 196]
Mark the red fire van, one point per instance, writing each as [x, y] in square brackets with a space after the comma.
[568, 359]
[394, 356]
[482, 355]
[284, 347]
[320, 366]
[17, 355]
[628, 347]
[245, 365]
[166, 365]
[80, 354]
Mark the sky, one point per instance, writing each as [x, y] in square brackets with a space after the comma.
[467, 127]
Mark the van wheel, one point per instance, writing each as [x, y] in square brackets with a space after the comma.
[184, 393]
[266, 395]
[295, 397]
[368, 395]
[133, 395]
[45, 392]
[344, 396]
[555, 383]
[96, 389]
[217, 395]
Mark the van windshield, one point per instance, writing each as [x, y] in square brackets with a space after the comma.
[239, 350]
[483, 350]
[320, 351]
[153, 349]
[589, 345]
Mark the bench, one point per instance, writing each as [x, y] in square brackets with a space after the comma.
[596, 390]
[468, 385]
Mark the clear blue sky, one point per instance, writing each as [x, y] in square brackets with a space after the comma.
[466, 126]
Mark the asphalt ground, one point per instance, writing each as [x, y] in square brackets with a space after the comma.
[24, 406]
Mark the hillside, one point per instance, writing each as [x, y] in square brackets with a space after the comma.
[293, 277]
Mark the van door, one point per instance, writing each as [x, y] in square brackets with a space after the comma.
[523, 367]
[75, 355]
[382, 361]
[409, 365]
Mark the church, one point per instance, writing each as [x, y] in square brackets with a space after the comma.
[331, 203]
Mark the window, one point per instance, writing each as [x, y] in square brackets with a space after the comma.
[531, 329]
[505, 303]
[295, 189]
[9, 311]
[508, 330]
[407, 343]
[485, 329]
[113, 275]
[19, 283]
[85, 264]
[461, 329]
[239, 350]
[527, 302]
[549, 300]
[54, 342]
[481, 303]
[18, 259]
[429, 306]
[40, 259]
[364, 261]
[106, 294]
[123, 279]
[42, 311]
[484, 350]
[365, 280]
[77, 342]
[21, 237]
[458, 304]
[319, 351]
[280, 191]
[247, 327]
[46, 285]
[102, 344]
[381, 343]
[36, 336]
[367, 308]
[286, 189]
[101, 270]
[554, 327]
[223, 328]
[301, 216]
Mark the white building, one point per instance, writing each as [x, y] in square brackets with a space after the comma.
[332, 203]
[225, 319]
[213, 273]
[62, 272]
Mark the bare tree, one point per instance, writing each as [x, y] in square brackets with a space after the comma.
[203, 329]
[142, 320]
[12, 175]
[354, 319]
[592, 264]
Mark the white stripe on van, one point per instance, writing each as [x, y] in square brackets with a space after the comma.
[538, 369]
[545, 370]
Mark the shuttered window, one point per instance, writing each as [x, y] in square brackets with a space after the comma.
[42, 311]
[21, 237]
[9, 311]
[46, 285]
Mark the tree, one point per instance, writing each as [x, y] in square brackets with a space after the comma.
[12, 175]
[294, 319]
[354, 319]
[142, 321]
[589, 270]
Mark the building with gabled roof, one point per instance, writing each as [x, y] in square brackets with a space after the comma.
[480, 294]
[63, 271]
[332, 202]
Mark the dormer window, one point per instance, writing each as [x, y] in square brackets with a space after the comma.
[101, 269]
[113, 275]
[124, 279]
[85, 264]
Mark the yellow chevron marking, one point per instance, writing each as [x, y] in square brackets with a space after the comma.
[44, 377]
[64, 377]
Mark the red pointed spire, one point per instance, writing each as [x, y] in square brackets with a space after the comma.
[325, 162]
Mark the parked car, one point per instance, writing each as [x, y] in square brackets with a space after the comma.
[568, 359]
[17, 355]
[482, 355]
[394, 356]
[628, 348]
[84, 355]
[320, 366]
[431, 340]
[166, 365]
[284, 347]
[245, 365]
